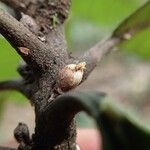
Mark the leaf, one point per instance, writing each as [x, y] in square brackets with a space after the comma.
[104, 16]
[62, 110]
[119, 129]
[79, 101]
[138, 21]
[100, 15]
[138, 45]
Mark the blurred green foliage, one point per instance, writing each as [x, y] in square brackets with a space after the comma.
[9, 61]
[102, 12]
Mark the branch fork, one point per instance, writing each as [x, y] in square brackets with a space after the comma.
[39, 39]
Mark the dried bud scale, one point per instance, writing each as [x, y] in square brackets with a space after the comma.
[71, 76]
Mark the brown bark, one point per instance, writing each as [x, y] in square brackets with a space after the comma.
[43, 59]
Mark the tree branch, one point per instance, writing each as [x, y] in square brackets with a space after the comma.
[55, 127]
[31, 49]
[49, 17]
[21, 86]
[11, 85]
[96, 53]
[128, 28]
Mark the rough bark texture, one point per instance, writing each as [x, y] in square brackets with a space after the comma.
[45, 53]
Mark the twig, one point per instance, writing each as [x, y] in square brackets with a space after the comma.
[16, 85]
[31, 49]
[11, 85]
[128, 28]
[97, 52]
[49, 17]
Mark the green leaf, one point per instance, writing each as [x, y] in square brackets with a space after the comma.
[105, 16]
[138, 21]
[137, 24]
[139, 45]
[84, 101]
[120, 130]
